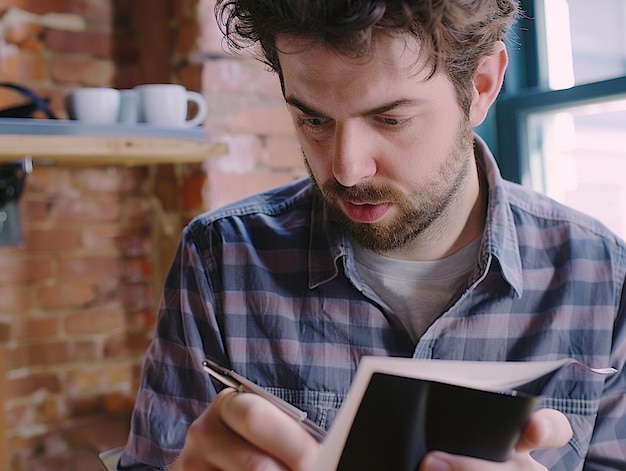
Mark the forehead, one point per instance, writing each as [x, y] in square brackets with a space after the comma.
[400, 53]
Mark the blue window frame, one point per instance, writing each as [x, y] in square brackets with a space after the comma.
[535, 125]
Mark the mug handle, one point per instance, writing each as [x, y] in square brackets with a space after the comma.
[203, 108]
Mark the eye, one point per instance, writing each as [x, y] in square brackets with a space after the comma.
[312, 122]
[391, 122]
[315, 126]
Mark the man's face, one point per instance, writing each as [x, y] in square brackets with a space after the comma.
[389, 148]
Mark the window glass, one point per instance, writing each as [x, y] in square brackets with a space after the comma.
[577, 155]
[583, 41]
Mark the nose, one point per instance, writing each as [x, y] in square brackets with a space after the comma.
[353, 155]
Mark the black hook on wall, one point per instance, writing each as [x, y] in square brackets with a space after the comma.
[12, 179]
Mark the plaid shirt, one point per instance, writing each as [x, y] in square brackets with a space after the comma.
[269, 286]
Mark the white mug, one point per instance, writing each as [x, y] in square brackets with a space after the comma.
[166, 104]
[96, 105]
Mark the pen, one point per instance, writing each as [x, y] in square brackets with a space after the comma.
[234, 380]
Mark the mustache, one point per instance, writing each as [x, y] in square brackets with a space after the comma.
[368, 194]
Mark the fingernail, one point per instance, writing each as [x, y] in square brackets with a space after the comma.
[436, 463]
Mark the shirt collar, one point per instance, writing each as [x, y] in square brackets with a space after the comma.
[500, 233]
[329, 243]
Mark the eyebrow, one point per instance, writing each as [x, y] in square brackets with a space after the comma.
[374, 111]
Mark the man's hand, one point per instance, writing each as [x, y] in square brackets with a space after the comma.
[547, 428]
[240, 431]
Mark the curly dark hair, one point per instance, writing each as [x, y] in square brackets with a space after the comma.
[453, 34]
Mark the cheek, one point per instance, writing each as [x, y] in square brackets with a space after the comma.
[317, 163]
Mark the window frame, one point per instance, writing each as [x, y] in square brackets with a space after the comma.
[523, 95]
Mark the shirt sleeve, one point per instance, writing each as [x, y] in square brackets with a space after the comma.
[607, 450]
[174, 389]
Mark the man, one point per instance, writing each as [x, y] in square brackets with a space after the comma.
[405, 241]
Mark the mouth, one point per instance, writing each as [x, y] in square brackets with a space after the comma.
[365, 212]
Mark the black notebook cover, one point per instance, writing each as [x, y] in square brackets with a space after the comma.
[400, 419]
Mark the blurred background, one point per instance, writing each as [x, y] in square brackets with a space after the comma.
[78, 293]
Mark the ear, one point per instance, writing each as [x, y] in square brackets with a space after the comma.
[488, 81]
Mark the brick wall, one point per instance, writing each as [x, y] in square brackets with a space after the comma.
[78, 298]
[249, 114]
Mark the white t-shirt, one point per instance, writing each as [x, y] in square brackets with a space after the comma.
[416, 292]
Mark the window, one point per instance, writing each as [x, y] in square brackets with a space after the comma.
[562, 115]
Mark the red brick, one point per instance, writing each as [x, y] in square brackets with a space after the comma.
[21, 449]
[5, 332]
[108, 431]
[41, 7]
[136, 296]
[82, 70]
[89, 268]
[52, 409]
[22, 67]
[18, 416]
[95, 320]
[211, 38]
[32, 45]
[32, 328]
[66, 294]
[126, 346]
[117, 403]
[10, 97]
[25, 269]
[133, 244]
[190, 75]
[185, 9]
[115, 180]
[263, 120]
[108, 289]
[50, 180]
[33, 211]
[55, 239]
[284, 153]
[245, 154]
[101, 376]
[82, 210]
[27, 384]
[105, 237]
[228, 187]
[84, 406]
[136, 208]
[193, 188]
[50, 353]
[17, 34]
[137, 269]
[12, 251]
[187, 35]
[240, 77]
[86, 42]
[141, 321]
[15, 299]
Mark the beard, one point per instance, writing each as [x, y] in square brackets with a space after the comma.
[418, 210]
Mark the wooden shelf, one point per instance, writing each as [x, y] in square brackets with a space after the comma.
[72, 142]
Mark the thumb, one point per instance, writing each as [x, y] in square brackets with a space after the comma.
[547, 428]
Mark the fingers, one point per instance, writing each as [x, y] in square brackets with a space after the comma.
[210, 445]
[439, 461]
[547, 428]
[269, 429]
[244, 431]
